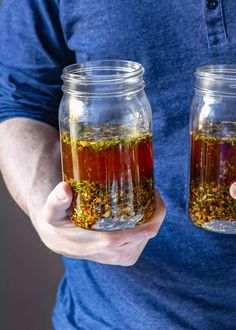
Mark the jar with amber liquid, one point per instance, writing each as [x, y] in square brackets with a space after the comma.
[106, 144]
[213, 149]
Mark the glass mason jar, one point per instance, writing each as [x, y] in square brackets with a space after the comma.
[213, 149]
[106, 144]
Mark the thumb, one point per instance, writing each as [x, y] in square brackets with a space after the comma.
[233, 190]
[57, 203]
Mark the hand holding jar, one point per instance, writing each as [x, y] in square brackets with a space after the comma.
[106, 144]
[107, 161]
[62, 236]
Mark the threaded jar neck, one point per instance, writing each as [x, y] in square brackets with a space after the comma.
[103, 78]
[216, 79]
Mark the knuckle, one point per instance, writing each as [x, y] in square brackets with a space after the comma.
[164, 211]
[124, 258]
[117, 259]
[152, 230]
[129, 262]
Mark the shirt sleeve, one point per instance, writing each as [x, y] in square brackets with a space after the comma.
[33, 52]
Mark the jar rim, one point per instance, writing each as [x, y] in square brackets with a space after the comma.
[103, 78]
[217, 79]
[105, 71]
[218, 71]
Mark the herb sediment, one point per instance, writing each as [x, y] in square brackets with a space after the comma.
[111, 176]
[213, 169]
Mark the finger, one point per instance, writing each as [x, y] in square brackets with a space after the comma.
[233, 190]
[138, 252]
[150, 227]
[57, 203]
[58, 243]
[144, 231]
[126, 255]
[104, 240]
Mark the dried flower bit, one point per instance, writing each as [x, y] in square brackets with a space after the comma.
[141, 204]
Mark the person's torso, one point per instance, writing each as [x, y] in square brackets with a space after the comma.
[185, 278]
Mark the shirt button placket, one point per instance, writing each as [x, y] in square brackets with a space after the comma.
[211, 4]
[216, 32]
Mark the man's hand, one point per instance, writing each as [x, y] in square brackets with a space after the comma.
[233, 190]
[30, 165]
[115, 248]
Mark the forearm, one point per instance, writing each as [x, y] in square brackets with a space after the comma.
[29, 161]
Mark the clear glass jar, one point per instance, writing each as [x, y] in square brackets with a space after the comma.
[106, 144]
[213, 149]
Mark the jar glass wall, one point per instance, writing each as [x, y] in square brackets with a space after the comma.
[213, 149]
[106, 144]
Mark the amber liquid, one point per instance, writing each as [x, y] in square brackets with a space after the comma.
[111, 176]
[213, 169]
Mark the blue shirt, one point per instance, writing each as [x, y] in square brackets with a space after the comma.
[186, 277]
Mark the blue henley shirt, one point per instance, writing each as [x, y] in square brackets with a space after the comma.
[186, 277]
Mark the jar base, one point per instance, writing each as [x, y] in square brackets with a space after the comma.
[111, 224]
[219, 226]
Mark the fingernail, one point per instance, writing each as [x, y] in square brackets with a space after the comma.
[61, 193]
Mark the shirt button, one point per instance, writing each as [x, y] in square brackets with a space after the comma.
[211, 4]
